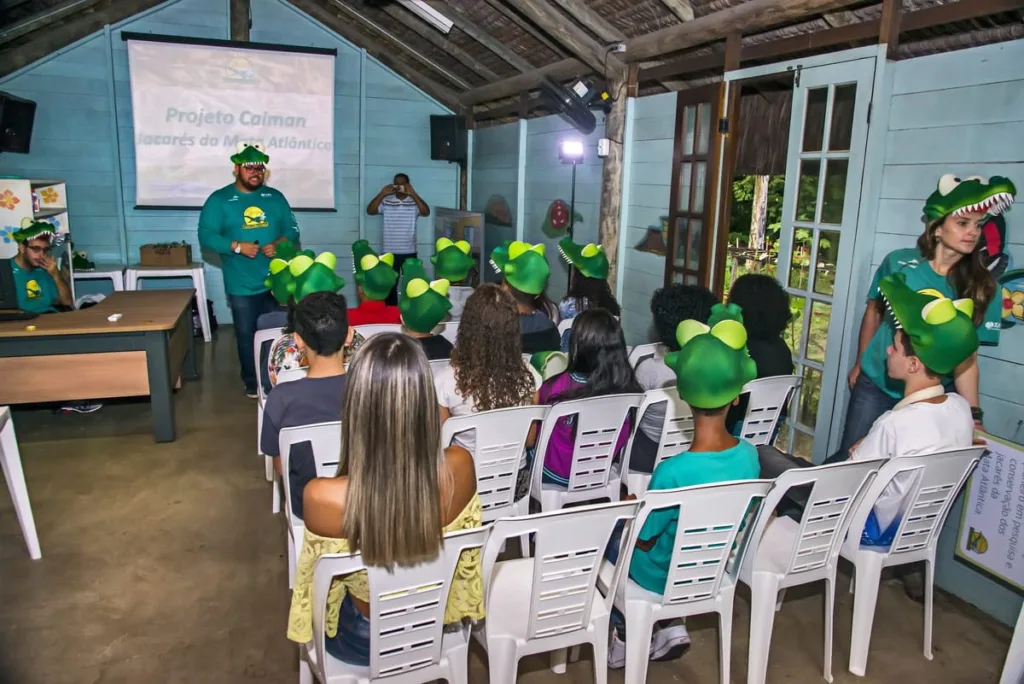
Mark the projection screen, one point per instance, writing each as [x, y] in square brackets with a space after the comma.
[193, 103]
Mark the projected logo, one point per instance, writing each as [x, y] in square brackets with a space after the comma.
[239, 70]
[254, 217]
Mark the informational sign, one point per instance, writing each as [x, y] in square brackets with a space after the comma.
[992, 526]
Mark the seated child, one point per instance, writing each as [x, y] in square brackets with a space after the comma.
[375, 278]
[588, 283]
[525, 270]
[319, 323]
[711, 367]
[452, 261]
[423, 305]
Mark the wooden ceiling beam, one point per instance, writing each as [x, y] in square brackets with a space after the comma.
[889, 25]
[600, 27]
[240, 15]
[574, 38]
[466, 25]
[522, 23]
[558, 71]
[44, 18]
[384, 53]
[433, 36]
[681, 8]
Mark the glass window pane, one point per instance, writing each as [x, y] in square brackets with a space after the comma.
[814, 119]
[682, 234]
[841, 129]
[795, 329]
[835, 191]
[803, 445]
[685, 170]
[817, 336]
[810, 393]
[828, 254]
[705, 128]
[807, 190]
[690, 279]
[689, 123]
[782, 441]
[700, 170]
[800, 258]
[695, 240]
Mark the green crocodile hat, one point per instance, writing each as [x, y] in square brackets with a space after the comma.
[523, 265]
[423, 304]
[33, 230]
[451, 260]
[590, 259]
[940, 329]
[374, 274]
[250, 154]
[300, 274]
[992, 196]
[712, 364]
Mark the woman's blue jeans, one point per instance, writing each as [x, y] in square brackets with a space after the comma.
[867, 402]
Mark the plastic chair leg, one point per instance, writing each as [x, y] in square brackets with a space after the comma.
[275, 496]
[868, 575]
[558, 659]
[725, 643]
[929, 605]
[830, 609]
[291, 560]
[764, 589]
[639, 626]
[10, 458]
[305, 671]
[503, 661]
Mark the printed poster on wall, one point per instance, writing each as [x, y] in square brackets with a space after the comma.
[992, 526]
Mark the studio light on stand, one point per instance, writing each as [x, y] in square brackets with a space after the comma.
[570, 151]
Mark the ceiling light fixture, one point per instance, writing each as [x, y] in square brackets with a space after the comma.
[428, 14]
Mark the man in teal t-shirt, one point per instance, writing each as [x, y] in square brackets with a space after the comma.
[39, 283]
[244, 222]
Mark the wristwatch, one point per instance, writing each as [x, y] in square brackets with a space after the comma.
[237, 249]
[977, 413]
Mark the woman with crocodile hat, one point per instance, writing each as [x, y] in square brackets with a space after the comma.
[947, 262]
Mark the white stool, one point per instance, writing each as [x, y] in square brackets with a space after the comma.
[194, 271]
[112, 272]
[10, 457]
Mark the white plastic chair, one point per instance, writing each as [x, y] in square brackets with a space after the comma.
[676, 434]
[325, 440]
[449, 330]
[565, 324]
[598, 423]
[645, 351]
[408, 642]
[369, 330]
[939, 478]
[792, 553]
[264, 337]
[767, 398]
[701, 577]
[10, 459]
[550, 602]
[194, 271]
[438, 365]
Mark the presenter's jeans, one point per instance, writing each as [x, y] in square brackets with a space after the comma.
[245, 310]
[868, 401]
[392, 299]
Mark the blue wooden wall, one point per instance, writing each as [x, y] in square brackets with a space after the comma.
[960, 112]
[650, 183]
[381, 128]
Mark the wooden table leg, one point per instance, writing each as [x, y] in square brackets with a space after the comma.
[191, 371]
[161, 390]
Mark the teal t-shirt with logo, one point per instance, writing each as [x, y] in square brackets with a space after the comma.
[37, 292]
[262, 216]
[649, 568]
[920, 278]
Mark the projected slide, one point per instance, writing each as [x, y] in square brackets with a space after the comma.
[192, 104]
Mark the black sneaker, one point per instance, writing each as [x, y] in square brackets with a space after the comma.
[81, 407]
[252, 393]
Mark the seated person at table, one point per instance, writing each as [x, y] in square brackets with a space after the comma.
[598, 366]
[711, 367]
[375, 279]
[670, 306]
[423, 305]
[319, 324]
[390, 409]
[452, 261]
[40, 285]
[525, 271]
[588, 283]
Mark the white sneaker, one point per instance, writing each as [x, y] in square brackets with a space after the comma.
[616, 652]
[669, 643]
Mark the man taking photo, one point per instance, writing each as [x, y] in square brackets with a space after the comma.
[399, 206]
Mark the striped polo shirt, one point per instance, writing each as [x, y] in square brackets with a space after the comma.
[399, 218]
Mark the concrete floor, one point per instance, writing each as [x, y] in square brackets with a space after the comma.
[162, 563]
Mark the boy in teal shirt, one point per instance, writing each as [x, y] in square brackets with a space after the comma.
[39, 283]
[711, 367]
[244, 222]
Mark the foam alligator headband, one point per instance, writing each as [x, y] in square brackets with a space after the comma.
[940, 329]
[423, 304]
[991, 196]
[590, 259]
[712, 364]
[451, 260]
[374, 274]
[523, 265]
[293, 275]
[250, 155]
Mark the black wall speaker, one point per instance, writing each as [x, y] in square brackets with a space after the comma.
[448, 138]
[16, 118]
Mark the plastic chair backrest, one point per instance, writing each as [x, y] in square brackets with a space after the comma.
[677, 430]
[438, 365]
[565, 324]
[646, 351]
[767, 398]
[407, 605]
[836, 491]
[598, 421]
[570, 545]
[710, 520]
[261, 338]
[325, 440]
[500, 439]
[940, 476]
[449, 330]
[371, 329]
[291, 375]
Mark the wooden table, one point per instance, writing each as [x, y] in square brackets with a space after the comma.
[81, 355]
